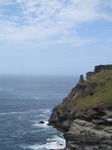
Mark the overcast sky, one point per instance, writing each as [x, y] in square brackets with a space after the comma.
[54, 37]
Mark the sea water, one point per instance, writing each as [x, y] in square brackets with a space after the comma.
[24, 102]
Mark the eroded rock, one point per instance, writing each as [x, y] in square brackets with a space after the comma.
[87, 125]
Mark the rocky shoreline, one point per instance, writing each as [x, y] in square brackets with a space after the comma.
[85, 115]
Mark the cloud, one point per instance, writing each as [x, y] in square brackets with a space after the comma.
[6, 2]
[45, 20]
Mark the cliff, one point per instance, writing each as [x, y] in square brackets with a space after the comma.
[85, 115]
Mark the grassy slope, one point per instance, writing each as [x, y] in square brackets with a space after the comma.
[102, 95]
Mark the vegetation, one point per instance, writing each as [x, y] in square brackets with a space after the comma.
[102, 95]
[62, 105]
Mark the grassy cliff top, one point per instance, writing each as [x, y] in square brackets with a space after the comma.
[95, 91]
[102, 94]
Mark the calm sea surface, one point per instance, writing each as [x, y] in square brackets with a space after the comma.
[24, 102]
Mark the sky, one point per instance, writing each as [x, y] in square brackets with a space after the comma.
[54, 37]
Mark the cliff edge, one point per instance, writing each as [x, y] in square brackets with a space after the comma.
[85, 115]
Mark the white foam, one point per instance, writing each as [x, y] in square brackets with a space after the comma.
[54, 143]
[42, 115]
[12, 113]
[15, 112]
[44, 111]
[39, 98]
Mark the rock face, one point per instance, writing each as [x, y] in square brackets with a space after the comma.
[85, 115]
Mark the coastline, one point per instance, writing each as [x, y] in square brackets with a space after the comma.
[85, 115]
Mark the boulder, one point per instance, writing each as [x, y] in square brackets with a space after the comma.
[41, 122]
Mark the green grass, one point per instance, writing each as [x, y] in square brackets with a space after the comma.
[62, 105]
[102, 95]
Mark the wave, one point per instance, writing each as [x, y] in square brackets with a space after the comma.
[39, 98]
[12, 113]
[44, 111]
[54, 143]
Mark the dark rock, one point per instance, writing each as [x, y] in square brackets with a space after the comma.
[41, 122]
[102, 68]
[89, 75]
[81, 80]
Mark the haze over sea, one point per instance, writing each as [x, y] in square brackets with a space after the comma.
[24, 102]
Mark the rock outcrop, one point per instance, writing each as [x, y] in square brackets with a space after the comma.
[85, 115]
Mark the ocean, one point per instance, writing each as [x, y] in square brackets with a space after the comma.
[24, 102]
